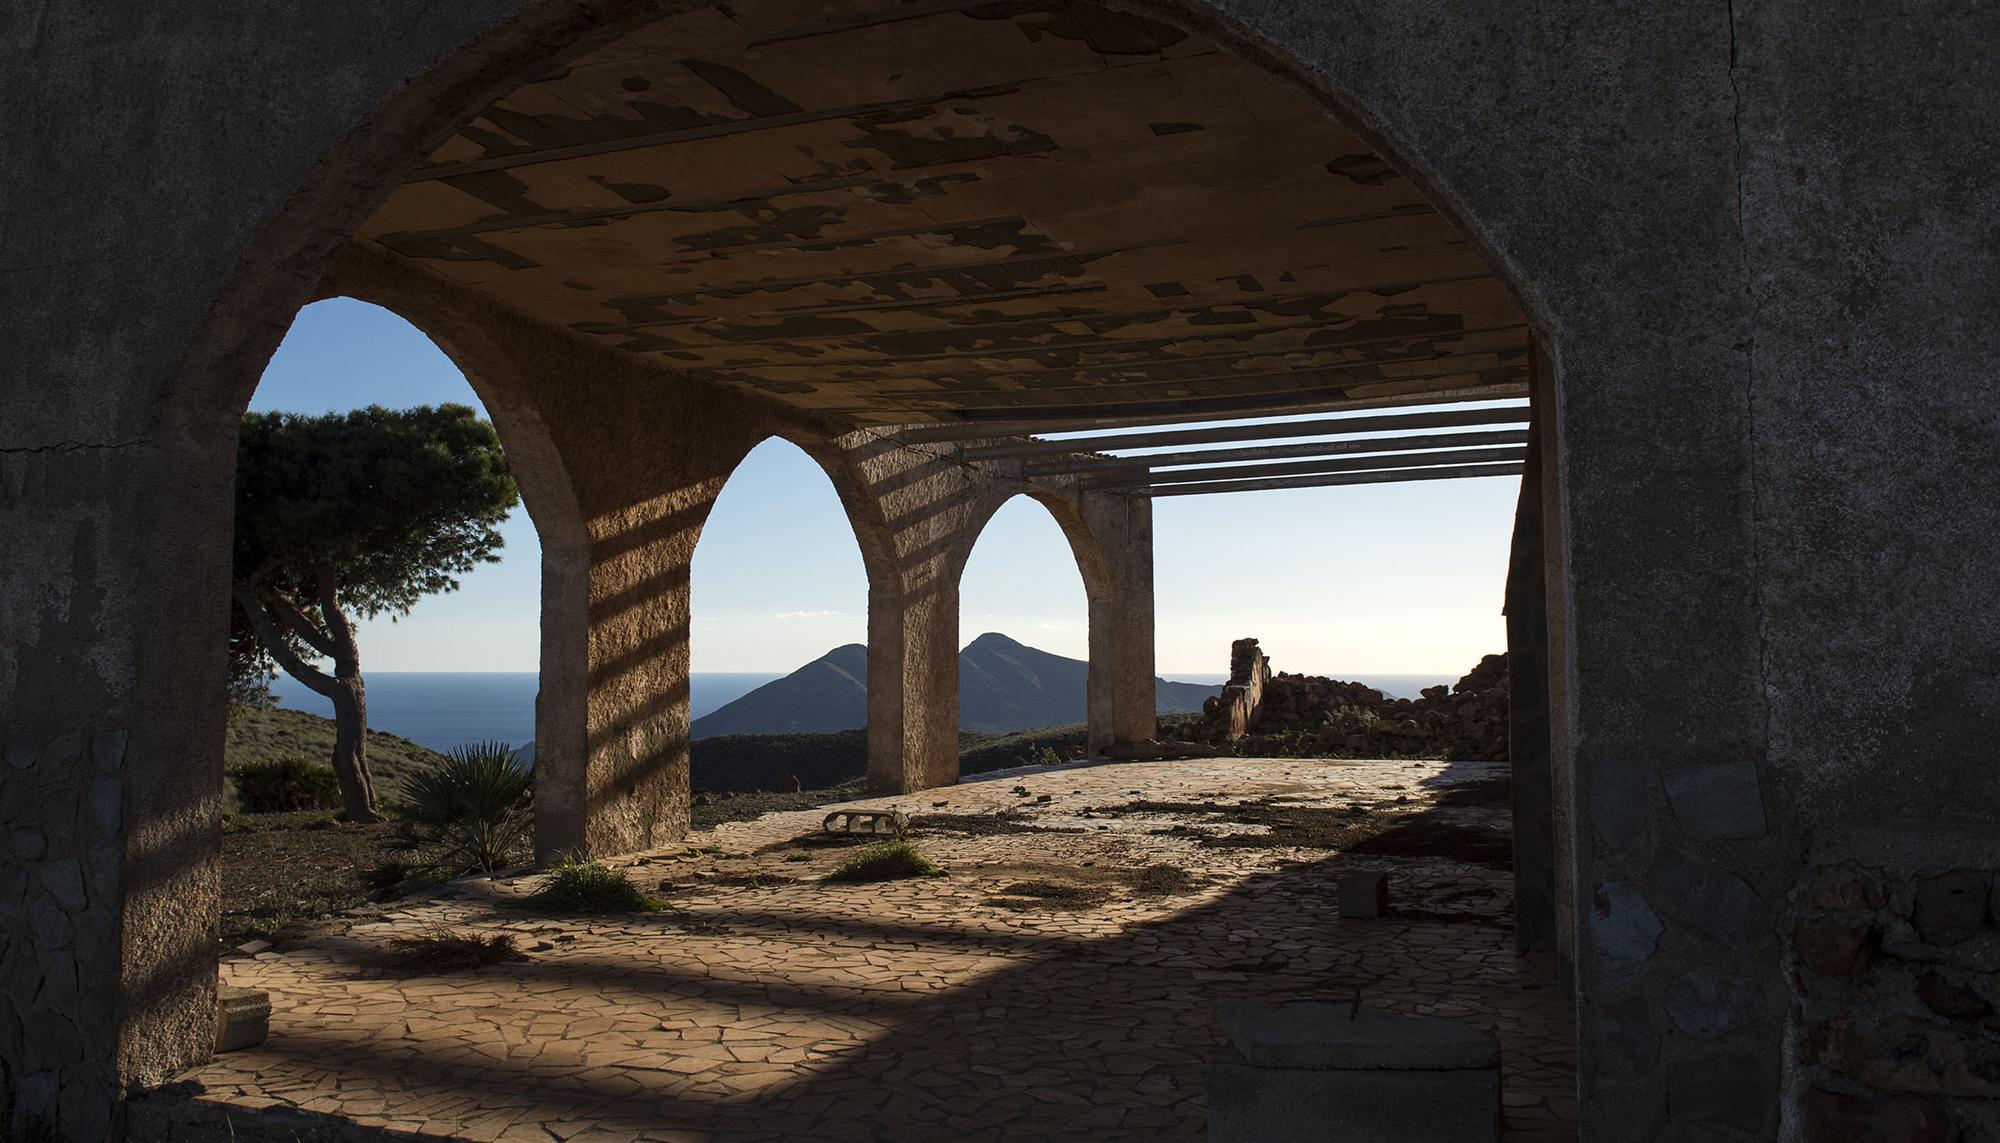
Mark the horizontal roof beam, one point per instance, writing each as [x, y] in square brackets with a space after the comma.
[1325, 426]
[1303, 449]
[1200, 410]
[1380, 476]
[1130, 478]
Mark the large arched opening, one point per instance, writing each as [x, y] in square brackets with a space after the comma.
[379, 165]
[779, 646]
[1026, 591]
[458, 668]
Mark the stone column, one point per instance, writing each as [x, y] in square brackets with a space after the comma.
[1123, 704]
[1528, 717]
[916, 512]
[912, 685]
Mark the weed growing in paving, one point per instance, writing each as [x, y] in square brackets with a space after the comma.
[442, 949]
[798, 857]
[587, 887]
[886, 861]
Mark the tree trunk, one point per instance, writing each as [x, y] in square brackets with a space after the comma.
[350, 707]
[350, 747]
[350, 698]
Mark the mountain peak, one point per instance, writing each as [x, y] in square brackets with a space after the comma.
[1004, 685]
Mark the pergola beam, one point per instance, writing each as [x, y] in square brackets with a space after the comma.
[1198, 412]
[1380, 476]
[1320, 427]
[1303, 450]
[1131, 478]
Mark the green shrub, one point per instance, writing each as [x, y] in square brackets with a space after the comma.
[281, 785]
[886, 861]
[1352, 719]
[1043, 756]
[468, 810]
[587, 887]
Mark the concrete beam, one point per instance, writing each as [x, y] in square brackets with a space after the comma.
[1328, 426]
[1307, 449]
[1309, 467]
[1384, 476]
[1195, 412]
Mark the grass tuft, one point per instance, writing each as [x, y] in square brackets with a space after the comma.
[886, 861]
[587, 887]
[442, 949]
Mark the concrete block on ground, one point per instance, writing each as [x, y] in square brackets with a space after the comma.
[879, 823]
[1364, 895]
[242, 1018]
[1312, 1072]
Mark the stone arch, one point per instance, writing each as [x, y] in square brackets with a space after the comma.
[1114, 562]
[1065, 509]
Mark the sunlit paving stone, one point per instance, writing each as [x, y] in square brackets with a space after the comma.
[1058, 981]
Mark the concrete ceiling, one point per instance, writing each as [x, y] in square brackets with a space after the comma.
[920, 211]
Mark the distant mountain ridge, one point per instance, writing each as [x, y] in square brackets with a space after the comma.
[1003, 686]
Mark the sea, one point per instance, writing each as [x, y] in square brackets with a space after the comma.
[446, 709]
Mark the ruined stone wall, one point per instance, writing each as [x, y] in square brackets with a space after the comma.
[1233, 713]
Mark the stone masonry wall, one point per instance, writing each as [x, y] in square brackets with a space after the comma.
[1896, 945]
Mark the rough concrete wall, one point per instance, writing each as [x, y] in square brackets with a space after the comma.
[162, 140]
[1528, 711]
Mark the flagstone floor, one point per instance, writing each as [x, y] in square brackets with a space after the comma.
[1058, 982]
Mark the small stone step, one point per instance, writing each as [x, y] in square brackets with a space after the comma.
[242, 1017]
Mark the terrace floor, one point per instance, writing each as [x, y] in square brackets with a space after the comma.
[1058, 982]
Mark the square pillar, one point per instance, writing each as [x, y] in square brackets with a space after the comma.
[912, 685]
[1123, 700]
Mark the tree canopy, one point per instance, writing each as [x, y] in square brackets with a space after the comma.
[396, 503]
[363, 512]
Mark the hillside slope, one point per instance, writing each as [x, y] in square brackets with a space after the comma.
[1003, 686]
[260, 735]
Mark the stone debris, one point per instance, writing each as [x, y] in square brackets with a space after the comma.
[1283, 713]
[882, 823]
[242, 1017]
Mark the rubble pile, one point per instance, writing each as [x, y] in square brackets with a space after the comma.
[1311, 714]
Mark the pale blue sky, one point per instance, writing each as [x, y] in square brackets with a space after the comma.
[1368, 579]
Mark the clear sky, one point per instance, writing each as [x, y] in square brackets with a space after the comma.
[1368, 579]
